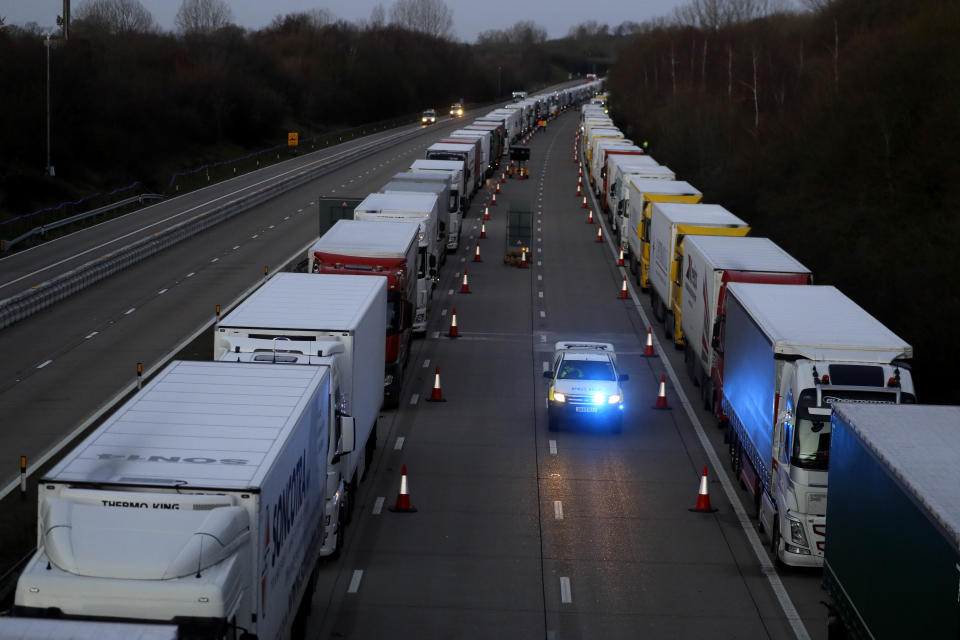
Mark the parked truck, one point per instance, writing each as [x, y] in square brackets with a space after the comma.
[198, 503]
[618, 172]
[440, 183]
[485, 145]
[498, 144]
[456, 171]
[363, 248]
[465, 153]
[421, 208]
[671, 224]
[892, 560]
[601, 159]
[712, 262]
[635, 236]
[789, 354]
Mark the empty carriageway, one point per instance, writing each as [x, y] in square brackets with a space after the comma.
[525, 533]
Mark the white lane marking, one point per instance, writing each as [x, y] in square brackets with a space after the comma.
[539, 276]
[129, 311]
[435, 335]
[539, 294]
[766, 566]
[443, 312]
[546, 365]
[398, 445]
[91, 335]
[301, 210]
[539, 263]
[378, 505]
[426, 363]
[553, 447]
[270, 227]
[543, 314]
[288, 217]
[539, 239]
[414, 398]
[161, 292]
[254, 236]
[450, 292]
[214, 259]
[557, 510]
[538, 250]
[235, 247]
[565, 596]
[355, 581]
[543, 338]
[43, 364]
[463, 259]
[191, 274]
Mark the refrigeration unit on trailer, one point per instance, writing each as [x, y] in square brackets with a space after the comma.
[671, 224]
[789, 354]
[618, 171]
[440, 183]
[364, 248]
[199, 503]
[423, 209]
[462, 152]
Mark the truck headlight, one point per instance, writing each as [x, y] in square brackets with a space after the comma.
[559, 397]
[614, 399]
[796, 532]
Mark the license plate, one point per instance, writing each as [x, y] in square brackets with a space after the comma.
[586, 409]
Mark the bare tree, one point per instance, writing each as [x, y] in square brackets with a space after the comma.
[714, 14]
[523, 33]
[378, 17]
[203, 16]
[115, 17]
[431, 17]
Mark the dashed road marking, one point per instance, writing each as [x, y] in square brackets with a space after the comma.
[87, 337]
[43, 364]
[235, 247]
[426, 363]
[358, 576]
[212, 260]
[539, 294]
[543, 314]
[129, 311]
[557, 510]
[161, 292]
[546, 365]
[414, 398]
[398, 445]
[566, 597]
[378, 505]
[553, 447]
[191, 274]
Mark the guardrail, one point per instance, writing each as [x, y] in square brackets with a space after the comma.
[42, 229]
[26, 303]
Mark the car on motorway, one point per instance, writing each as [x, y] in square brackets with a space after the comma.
[429, 117]
[456, 110]
[585, 385]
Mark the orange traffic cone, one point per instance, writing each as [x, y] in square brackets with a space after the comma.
[476, 255]
[590, 217]
[599, 234]
[620, 258]
[579, 193]
[486, 213]
[498, 188]
[403, 498]
[523, 258]
[623, 290]
[703, 496]
[436, 395]
[493, 202]
[503, 177]
[648, 351]
[483, 230]
[454, 331]
[584, 206]
[580, 180]
[662, 394]
[465, 286]
[580, 171]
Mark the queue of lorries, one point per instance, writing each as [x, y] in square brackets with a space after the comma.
[805, 382]
[206, 500]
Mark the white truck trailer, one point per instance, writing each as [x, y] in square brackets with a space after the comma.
[467, 151]
[456, 170]
[619, 170]
[317, 308]
[422, 208]
[671, 223]
[486, 150]
[438, 185]
[790, 353]
[198, 503]
[712, 262]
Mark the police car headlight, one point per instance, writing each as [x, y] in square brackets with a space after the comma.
[614, 399]
[559, 397]
[598, 398]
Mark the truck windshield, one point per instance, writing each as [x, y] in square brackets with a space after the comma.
[811, 440]
[586, 370]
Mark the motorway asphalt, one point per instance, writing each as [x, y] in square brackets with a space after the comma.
[524, 533]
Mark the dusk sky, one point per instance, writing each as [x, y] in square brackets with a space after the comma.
[470, 17]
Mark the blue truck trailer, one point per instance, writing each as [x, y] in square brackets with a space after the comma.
[892, 560]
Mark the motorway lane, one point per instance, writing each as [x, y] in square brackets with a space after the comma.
[63, 364]
[522, 532]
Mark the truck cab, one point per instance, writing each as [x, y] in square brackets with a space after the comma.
[584, 385]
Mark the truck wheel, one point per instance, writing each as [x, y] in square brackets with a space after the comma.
[659, 310]
[775, 542]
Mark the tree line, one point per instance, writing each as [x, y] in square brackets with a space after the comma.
[129, 102]
[833, 132]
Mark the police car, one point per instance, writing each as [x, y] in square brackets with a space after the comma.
[585, 385]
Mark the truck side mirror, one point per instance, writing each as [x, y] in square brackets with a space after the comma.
[548, 375]
[347, 437]
[715, 342]
[624, 377]
[407, 313]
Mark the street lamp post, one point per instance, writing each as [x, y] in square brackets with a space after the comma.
[499, 92]
[49, 170]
